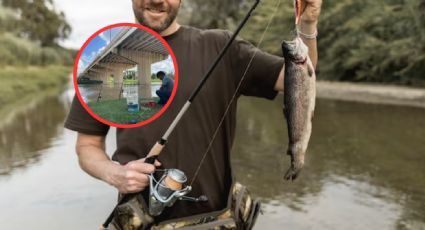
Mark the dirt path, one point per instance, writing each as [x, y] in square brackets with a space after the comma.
[369, 93]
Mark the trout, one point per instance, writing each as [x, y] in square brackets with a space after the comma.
[299, 102]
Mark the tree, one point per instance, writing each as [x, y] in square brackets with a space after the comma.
[39, 20]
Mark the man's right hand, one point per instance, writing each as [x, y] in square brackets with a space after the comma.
[133, 177]
[129, 178]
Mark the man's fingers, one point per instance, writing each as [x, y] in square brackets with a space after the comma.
[134, 182]
[157, 163]
[140, 166]
[136, 177]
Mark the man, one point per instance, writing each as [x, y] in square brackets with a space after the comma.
[195, 50]
[164, 93]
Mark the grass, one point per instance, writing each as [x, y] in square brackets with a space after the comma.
[130, 81]
[19, 82]
[17, 51]
[116, 111]
[156, 81]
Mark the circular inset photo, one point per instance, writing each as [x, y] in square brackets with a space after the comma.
[125, 75]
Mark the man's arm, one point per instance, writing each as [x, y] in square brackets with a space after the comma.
[308, 25]
[129, 178]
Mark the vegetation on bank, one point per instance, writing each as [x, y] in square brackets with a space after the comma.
[16, 51]
[30, 32]
[359, 40]
[18, 82]
[31, 60]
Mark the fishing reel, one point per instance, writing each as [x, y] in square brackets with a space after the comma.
[169, 188]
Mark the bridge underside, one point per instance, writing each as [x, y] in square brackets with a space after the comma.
[130, 48]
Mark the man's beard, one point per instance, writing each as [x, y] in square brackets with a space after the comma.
[154, 25]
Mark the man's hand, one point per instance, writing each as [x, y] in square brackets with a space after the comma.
[133, 177]
[310, 11]
[129, 178]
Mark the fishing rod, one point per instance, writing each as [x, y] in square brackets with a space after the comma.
[99, 96]
[176, 176]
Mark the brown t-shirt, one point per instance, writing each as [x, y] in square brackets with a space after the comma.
[195, 50]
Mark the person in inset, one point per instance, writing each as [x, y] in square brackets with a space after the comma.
[209, 174]
[164, 93]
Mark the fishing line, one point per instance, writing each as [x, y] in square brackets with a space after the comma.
[277, 3]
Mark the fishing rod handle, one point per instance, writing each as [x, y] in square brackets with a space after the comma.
[155, 150]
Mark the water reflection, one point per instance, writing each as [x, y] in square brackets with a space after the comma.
[364, 170]
[30, 131]
[375, 151]
[111, 91]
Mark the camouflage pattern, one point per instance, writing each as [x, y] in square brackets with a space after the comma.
[239, 215]
[132, 215]
[199, 222]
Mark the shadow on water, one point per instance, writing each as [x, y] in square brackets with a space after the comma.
[365, 160]
[30, 129]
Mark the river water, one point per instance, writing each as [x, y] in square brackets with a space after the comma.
[110, 91]
[365, 168]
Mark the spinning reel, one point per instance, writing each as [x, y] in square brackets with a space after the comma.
[169, 188]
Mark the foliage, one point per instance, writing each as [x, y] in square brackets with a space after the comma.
[19, 51]
[39, 21]
[24, 43]
[219, 15]
[129, 75]
[19, 82]
[359, 40]
[375, 41]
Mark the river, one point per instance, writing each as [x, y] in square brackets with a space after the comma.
[111, 91]
[365, 168]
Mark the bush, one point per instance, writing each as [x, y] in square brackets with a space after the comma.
[22, 52]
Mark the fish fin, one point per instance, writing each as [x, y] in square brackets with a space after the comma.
[310, 70]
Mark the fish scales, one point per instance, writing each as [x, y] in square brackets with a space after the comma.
[299, 102]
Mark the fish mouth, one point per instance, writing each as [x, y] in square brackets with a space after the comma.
[295, 51]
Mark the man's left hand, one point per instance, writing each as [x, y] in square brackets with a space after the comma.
[310, 10]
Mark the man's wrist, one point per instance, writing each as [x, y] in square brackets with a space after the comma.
[111, 172]
[307, 30]
[308, 27]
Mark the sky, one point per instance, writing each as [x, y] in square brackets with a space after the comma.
[88, 16]
[96, 46]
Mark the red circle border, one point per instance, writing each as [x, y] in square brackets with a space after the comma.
[158, 114]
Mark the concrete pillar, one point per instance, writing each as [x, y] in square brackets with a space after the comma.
[144, 61]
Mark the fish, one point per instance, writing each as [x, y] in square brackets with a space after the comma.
[299, 102]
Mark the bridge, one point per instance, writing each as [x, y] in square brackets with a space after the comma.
[129, 48]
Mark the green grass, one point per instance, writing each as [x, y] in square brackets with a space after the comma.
[156, 81]
[17, 51]
[19, 82]
[116, 110]
[130, 81]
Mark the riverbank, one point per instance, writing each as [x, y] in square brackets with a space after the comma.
[20, 82]
[369, 93]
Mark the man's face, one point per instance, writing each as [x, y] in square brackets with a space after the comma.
[156, 14]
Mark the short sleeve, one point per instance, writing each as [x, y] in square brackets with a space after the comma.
[81, 121]
[263, 71]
